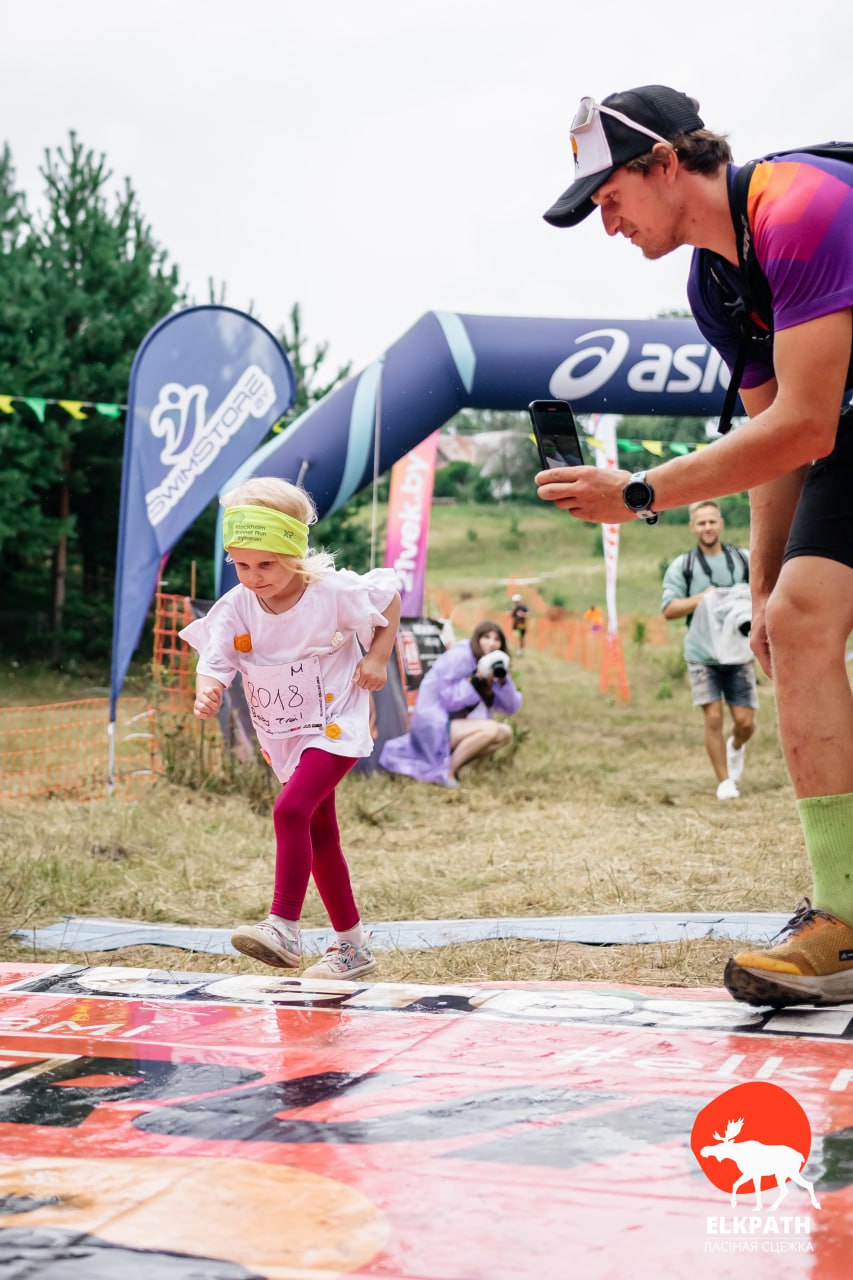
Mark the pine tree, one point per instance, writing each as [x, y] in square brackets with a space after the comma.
[27, 456]
[91, 281]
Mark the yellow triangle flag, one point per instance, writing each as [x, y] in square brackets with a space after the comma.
[6, 404]
[653, 446]
[74, 408]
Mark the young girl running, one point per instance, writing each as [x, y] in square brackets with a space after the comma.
[295, 629]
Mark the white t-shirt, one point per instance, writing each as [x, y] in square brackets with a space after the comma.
[297, 666]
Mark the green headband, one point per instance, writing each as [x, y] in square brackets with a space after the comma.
[264, 529]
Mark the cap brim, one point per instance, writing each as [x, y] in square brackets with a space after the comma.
[575, 204]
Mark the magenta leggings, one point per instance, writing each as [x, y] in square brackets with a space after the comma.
[307, 840]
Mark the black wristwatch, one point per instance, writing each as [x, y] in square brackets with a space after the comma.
[638, 496]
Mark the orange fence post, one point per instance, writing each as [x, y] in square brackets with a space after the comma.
[173, 661]
[574, 636]
[587, 654]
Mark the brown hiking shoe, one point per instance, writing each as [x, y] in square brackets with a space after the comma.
[814, 965]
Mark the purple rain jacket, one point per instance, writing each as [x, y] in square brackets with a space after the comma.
[424, 752]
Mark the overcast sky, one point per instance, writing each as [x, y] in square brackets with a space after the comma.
[376, 159]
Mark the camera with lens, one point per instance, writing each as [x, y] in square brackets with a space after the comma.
[495, 664]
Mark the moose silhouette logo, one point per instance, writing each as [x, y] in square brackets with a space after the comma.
[772, 1152]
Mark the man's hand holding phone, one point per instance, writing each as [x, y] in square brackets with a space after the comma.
[588, 493]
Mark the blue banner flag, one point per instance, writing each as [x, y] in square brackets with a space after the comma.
[206, 386]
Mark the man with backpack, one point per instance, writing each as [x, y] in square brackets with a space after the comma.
[771, 287]
[712, 568]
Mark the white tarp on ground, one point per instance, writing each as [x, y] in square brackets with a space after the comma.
[82, 933]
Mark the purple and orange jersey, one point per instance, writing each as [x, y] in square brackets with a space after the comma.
[801, 214]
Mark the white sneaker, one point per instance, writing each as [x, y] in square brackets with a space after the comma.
[727, 790]
[269, 943]
[343, 960]
[734, 759]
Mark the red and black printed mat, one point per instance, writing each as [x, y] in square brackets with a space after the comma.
[172, 1125]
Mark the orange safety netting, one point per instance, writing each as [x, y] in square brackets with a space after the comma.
[567, 638]
[173, 661]
[62, 750]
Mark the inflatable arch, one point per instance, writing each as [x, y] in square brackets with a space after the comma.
[447, 362]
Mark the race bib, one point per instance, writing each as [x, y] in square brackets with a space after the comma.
[287, 699]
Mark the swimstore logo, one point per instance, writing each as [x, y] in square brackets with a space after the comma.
[191, 439]
[754, 1139]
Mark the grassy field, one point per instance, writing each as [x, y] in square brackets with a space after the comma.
[597, 806]
[477, 549]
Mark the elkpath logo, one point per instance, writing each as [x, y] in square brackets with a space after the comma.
[755, 1136]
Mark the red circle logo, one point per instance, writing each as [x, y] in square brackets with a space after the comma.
[753, 1131]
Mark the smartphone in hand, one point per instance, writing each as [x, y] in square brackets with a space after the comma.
[556, 433]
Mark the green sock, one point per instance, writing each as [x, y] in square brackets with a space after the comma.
[828, 828]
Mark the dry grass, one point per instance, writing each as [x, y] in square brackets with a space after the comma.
[597, 807]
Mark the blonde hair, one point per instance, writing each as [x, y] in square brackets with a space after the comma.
[281, 495]
[706, 502]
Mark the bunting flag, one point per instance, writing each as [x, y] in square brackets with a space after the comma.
[653, 446]
[37, 404]
[74, 408]
[656, 447]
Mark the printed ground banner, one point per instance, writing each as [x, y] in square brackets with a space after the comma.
[160, 1124]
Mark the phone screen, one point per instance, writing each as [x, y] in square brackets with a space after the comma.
[556, 434]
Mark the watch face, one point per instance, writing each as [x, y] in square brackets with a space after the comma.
[637, 495]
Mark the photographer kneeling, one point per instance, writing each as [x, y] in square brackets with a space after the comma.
[452, 722]
[706, 587]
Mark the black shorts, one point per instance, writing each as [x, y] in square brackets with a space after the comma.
[823, 521]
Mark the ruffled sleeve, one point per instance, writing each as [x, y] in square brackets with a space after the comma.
[213, 637]
[362, 599]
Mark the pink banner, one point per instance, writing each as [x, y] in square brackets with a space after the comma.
[408, 522]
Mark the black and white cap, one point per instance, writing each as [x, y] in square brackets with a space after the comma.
[608, 134]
